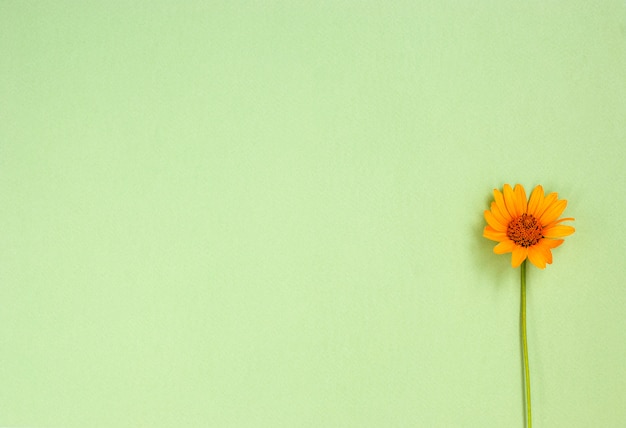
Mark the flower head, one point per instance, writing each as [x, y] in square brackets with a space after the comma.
[526, 228]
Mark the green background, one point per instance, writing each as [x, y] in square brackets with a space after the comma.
[269, 213]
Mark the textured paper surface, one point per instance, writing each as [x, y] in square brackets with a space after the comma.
[269, 214]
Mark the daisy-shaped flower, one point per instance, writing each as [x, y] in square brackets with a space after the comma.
[526, 228]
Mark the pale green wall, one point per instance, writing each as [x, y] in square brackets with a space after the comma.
[269, 214]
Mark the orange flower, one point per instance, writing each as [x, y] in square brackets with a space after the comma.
[526, 228]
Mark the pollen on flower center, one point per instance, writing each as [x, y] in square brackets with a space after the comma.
[524, 230]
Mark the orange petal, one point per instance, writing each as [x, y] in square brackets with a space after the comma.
[509, 200]
[544, 204]
[558, 231]
[493, 222]
[520, 199]
[550, 243]
[499, 199]
[561, 220]
[546, 250]
[519, 255]
[490, 233]
[537, 256]
[535, 199]
[497, 214]
[504, 247]
[553, 212]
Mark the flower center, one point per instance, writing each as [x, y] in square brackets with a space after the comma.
[525, 230]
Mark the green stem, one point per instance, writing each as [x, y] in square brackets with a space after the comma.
[529, 420]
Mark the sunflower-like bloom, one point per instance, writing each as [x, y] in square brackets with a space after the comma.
[526, 228]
